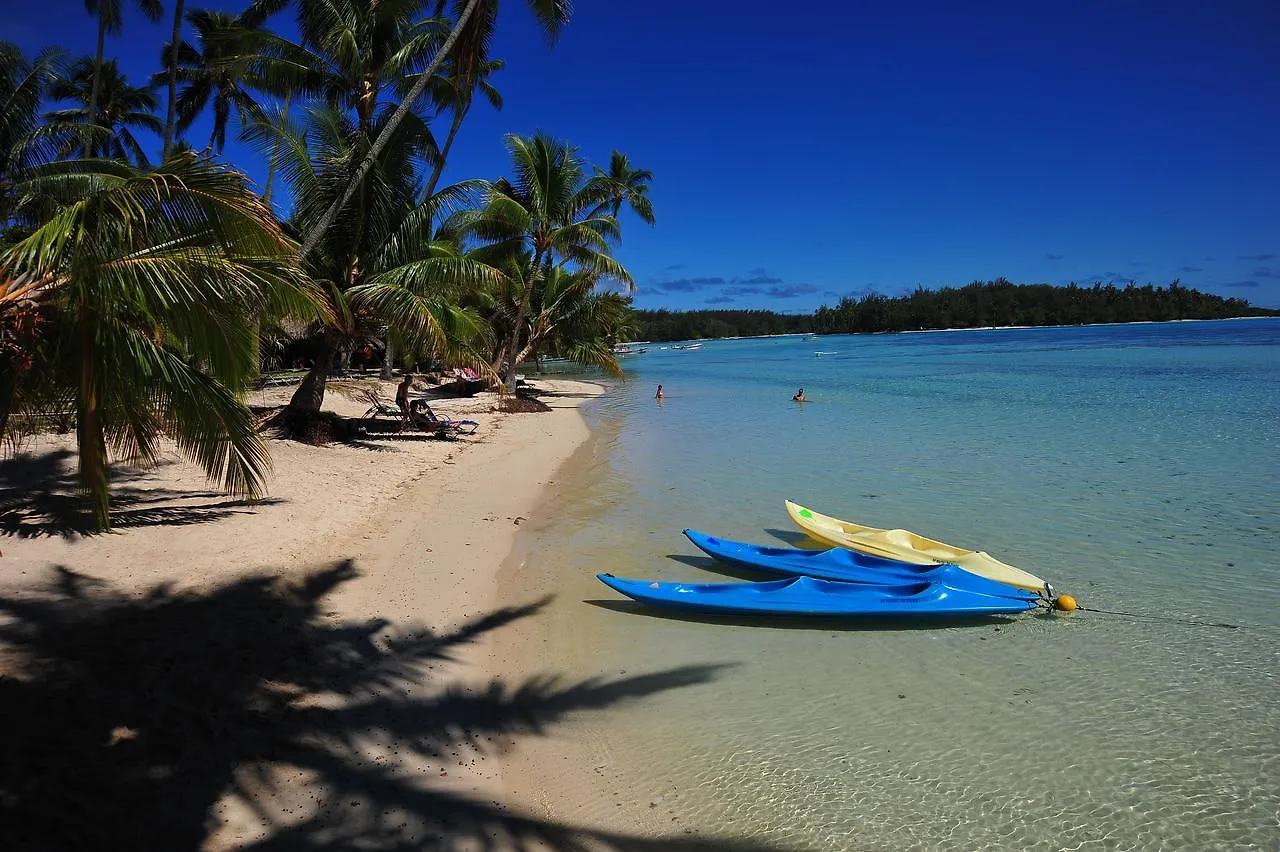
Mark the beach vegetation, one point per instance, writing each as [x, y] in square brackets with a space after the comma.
[137, 292]
[982, 304]
[385, 269]
[126, 306]
[550, 210]
[121, 109]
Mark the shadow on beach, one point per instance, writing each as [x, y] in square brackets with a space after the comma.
[128, 721]
[40, 496]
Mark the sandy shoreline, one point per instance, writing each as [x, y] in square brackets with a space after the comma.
[413, 533]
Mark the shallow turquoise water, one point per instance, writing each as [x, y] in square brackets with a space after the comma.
[1133, 466]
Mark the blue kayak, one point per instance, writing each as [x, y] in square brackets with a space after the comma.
[849, 566]
[807, 596]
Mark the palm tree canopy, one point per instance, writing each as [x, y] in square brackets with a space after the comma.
[224, 67]
[552, 14]
[122, 108]
[549, 210]
[382, 267]
[626, 184]
[150, 277]
[24, 140]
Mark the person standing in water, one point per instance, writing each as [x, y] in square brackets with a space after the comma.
[799, 397]
[658, 395]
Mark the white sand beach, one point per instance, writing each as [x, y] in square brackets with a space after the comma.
[426, 525]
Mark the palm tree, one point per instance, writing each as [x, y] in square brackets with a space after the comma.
[382, 267]
[549, 210]
[552, 14]
[111, 20]
[569, 316]
[146, 279]
[469, 70]
[121, 108]
[364, 52]
[23, 83]
[223, 68]
[626, 184]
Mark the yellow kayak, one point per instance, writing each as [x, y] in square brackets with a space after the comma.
[907, 547]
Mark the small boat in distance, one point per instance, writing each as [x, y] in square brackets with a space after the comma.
[820, 354]
[628, 349]
[687, 346]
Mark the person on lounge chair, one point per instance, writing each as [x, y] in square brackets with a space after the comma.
[422, 417]
[402, 393]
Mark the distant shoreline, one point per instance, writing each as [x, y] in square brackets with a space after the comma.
[933, 330]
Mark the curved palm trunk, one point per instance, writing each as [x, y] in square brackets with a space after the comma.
[171, 118]
[375, 150]
[309, 396]
[458, 115]
[275, 155]
[513, 342]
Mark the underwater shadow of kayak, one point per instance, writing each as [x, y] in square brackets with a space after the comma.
[829, 623]
[724, 569]
[796, 538]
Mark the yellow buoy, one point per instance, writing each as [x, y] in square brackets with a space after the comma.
[1064, 603]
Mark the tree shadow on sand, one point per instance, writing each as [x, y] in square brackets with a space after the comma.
[128, 721]
[40, 496]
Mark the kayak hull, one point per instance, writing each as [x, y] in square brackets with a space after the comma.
[806, 596]
[848, 566]
[908, 547]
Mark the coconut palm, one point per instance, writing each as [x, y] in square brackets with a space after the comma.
[626, 184]
[549, 210]
[23, 83]
[145, 280]
[478, 15]
[469, 70]
[570, 316]
[218, 69]
[111, 20]
[381, 267]
[121, 108]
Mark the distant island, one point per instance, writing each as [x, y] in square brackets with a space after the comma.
[982, 304]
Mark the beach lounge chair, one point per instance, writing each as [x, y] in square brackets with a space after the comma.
[466, 382]
[423, 418]
[378, 406]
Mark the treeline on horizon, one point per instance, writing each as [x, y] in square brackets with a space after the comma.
[977, 305]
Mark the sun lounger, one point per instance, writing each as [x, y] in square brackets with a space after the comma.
[422, 417]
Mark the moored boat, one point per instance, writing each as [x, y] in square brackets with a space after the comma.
[908, 547]
[810, 597]
[848, 566]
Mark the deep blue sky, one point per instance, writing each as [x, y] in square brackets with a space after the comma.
[803, 152]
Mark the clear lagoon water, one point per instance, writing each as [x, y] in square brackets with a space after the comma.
[1136, 467]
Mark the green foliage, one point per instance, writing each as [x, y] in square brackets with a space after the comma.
[550, 212]
[383, 270]
[121, 108]
[1002, 303]
[692, 325]
[142, 284]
